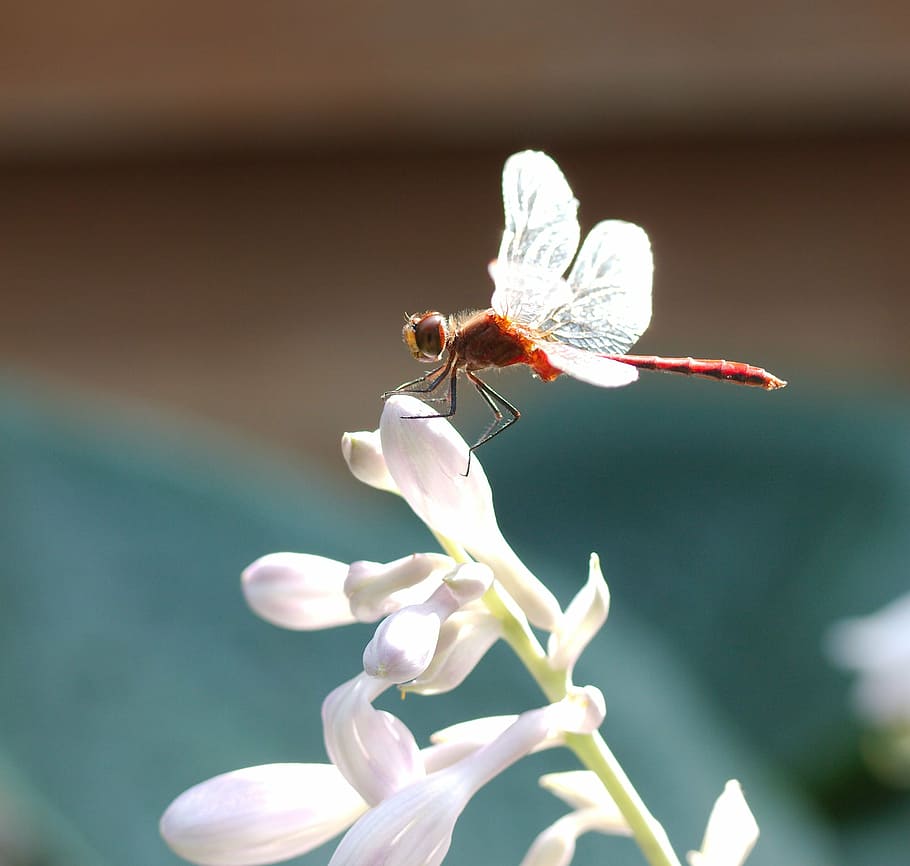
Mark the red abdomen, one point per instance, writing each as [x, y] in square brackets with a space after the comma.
[726, 371]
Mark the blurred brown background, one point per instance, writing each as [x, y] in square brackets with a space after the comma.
[225, 211]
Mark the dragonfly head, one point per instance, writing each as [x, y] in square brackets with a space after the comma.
[426, 336]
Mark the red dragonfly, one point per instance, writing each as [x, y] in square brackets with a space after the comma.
[581, 324]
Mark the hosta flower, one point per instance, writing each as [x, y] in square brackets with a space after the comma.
[260, 814]
[374, 750]
[463, 640]
[306, 592]
[427, 460]
[405, 642]
[877, 647]
[363, 454]
[415, 826]
[581, 621]
[376, 589]
[298, 591]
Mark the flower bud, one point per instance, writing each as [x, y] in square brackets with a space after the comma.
[581, 621]
[377, 589]
[298, 591]
[363, 453]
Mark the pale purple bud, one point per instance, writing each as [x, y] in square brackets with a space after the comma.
[298, 591]
[428, 459]
[260, 814]
[376, 589]
[405, 642]
[464, 640]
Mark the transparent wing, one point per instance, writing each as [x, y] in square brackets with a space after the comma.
[610, 288]
[588, 367]
[527, 295]
[541, 227]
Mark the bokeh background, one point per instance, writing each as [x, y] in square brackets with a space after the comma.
[212, 221]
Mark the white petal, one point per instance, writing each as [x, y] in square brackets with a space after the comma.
[415, 825]
[582, 790]
[377, 589]
[878, 648]
[363, 453]
[428, 459]
[412, 828]
[403, 644]
[478, 732]
[464, 639]
[584, 616]
[373, 749]
[555, 846]
[731, 832]
[469, 582]
[260, 814]
[879, 640]
[582, 710]
[552, 847]
[298, 590]
[406, 641]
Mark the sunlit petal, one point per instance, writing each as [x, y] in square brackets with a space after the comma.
[582, 619]
[363, 453]
[464, 639]
[298, 591]
[731, 832]
[428, 459]
[260, 814]
[376, 589]
[373, 749]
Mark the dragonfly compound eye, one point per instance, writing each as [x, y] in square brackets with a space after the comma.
[426, 336]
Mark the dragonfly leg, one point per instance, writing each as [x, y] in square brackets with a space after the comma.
[425, 384]
[449, 398]
[497, 403]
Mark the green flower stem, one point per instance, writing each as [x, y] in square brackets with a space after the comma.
[595, 754]
[590, 749]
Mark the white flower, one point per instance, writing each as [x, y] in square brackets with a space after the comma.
[427, 460]
[555, 846]
[373, 749]
[376, 589]
[270, 813]
[260, 814]
[464, 639]
[582, 619]
[583, 791]
[363, 454]
[415, 825]
[298, 591]
[878, 648]
[731, 833]
[405, 642]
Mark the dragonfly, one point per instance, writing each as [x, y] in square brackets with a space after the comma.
[579, 323]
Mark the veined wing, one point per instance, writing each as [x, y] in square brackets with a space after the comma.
[586, 366]
[541, 228]
[610, 286]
